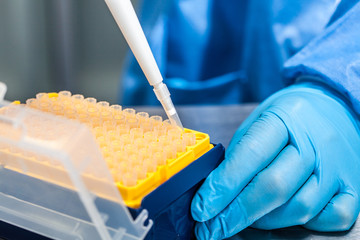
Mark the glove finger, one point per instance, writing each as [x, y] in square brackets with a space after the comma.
[338, 215]
[253, 152]
[302, 207]
[268, 190]
[259, 111]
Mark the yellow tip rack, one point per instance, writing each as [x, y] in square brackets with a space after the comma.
[141, 151]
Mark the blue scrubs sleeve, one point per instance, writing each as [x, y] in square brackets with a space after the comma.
[333, 57]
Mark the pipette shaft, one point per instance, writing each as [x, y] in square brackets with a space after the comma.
[125, 17]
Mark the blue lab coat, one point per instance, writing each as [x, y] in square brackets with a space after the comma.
[234, 51]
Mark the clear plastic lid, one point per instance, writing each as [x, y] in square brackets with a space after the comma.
[54, 181]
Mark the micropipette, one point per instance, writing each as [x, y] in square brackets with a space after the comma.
[125, 17]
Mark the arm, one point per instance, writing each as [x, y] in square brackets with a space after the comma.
[296, 159]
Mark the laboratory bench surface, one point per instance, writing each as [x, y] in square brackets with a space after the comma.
[220, 122]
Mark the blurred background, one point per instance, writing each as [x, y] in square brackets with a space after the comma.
[53, 45]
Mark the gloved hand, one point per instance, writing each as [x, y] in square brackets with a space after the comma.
[294, 161]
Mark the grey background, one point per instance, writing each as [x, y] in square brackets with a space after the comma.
[52, 45]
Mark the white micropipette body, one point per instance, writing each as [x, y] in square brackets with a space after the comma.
[125, 17]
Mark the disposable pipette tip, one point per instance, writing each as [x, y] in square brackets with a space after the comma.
[175, 120]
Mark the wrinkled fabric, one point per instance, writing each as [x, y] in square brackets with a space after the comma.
[223, 52]
[294, 161]
[333, 58]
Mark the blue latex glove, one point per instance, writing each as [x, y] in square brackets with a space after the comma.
[294, 161]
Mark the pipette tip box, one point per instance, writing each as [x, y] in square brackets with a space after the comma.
[89, 165]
